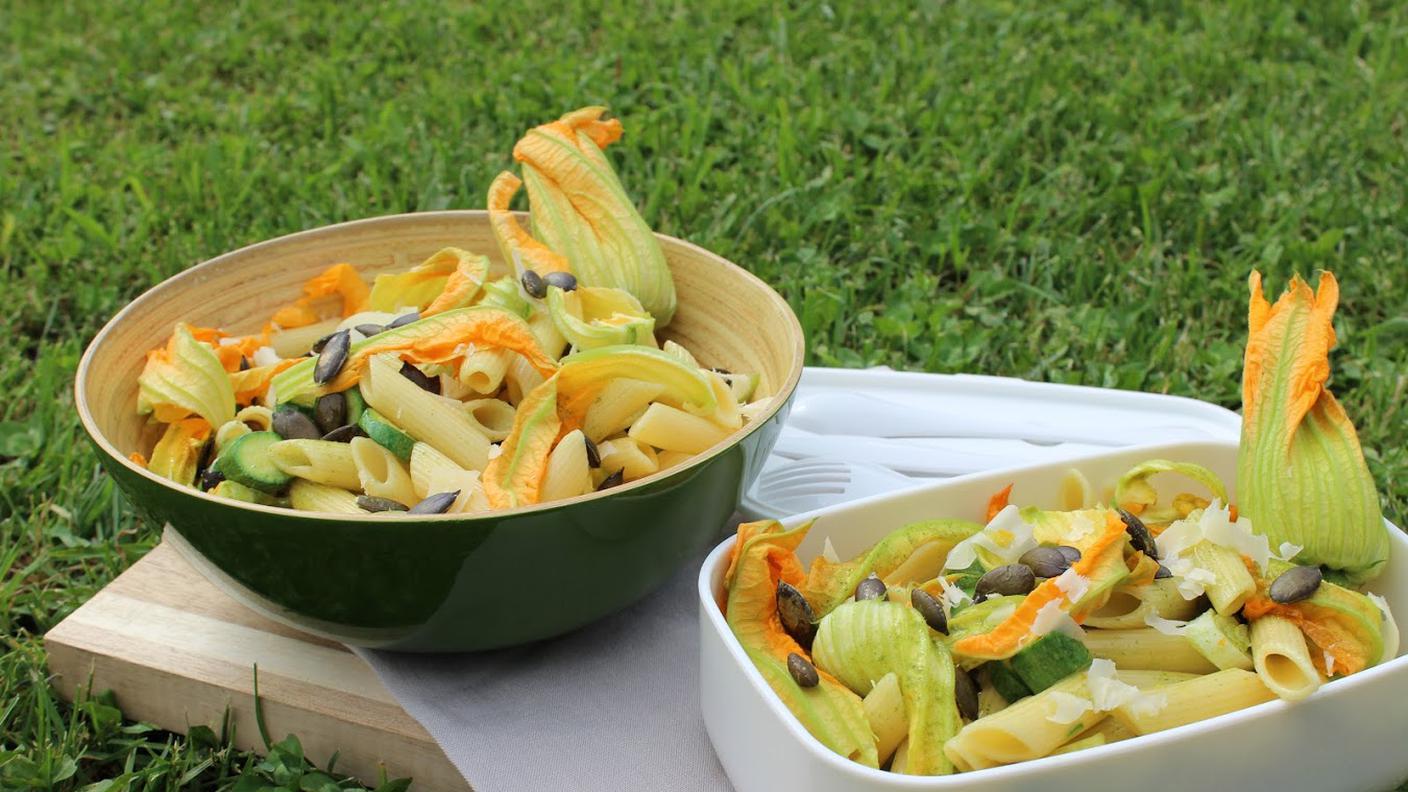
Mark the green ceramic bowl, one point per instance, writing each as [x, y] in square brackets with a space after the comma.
[446, 582]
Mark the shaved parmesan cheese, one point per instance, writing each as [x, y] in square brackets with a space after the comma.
[1149, 704]
[1107, 691]
[1287, 551]
[1069, 707]
[953, 596]
[828, 551]
[1214, 524]
[1053, 617]
[265, 356]
[1073, 584]
[1390, 628]
[228, 341]
[1007, 536]
[1329, 664]
[1165, 626]
[494, 450]
[1080, 528]
[1192, 579]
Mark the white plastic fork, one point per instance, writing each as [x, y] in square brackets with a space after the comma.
[808, 484]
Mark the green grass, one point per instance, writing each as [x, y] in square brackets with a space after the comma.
[1063, 191]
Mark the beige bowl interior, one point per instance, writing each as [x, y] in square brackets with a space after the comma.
[727, 317]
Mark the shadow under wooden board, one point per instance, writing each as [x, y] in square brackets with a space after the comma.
[178, 652]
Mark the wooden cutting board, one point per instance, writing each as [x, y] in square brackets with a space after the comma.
[178, 653]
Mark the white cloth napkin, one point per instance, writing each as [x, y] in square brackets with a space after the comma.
[612, 706]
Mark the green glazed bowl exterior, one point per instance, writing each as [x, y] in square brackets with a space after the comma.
[448, 582]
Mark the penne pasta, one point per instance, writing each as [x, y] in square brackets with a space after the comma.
[483, 370]
[493, 417]
[621, 402]
[423, 415]
[258, 417]
[1282, 658]
[432, 471]
[567, 474]
[521, 379]
[1147, 649]
[545, 329]
[1095, 739]
[884, 708]
[227, 433]
[633, 458]
[1129, 607]
[1232, 583]
[672, 429]
[1028, 729]
[320, 461]
[311, 496]
[669, 459]
[1196, 699]
[380, 473]
[296, 341]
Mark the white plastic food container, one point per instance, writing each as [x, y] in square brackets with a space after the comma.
[1349, 735]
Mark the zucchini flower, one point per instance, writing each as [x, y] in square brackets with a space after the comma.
[1301, 475]
[581, 213]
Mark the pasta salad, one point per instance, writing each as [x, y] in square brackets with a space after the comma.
[459, 385]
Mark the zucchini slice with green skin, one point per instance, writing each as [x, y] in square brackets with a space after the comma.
[1006, 682]
[234, 490]
[386, 434]
[246, 461]
[356, 405]
[1050, 659]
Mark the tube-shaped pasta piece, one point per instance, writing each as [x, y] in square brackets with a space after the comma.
[311, 496]
[990, 701]
[669, 459]
[423, 415]
[1282, 658]
[672, 429]
[621, 402]
[259, 417]
[545, 329]
[483, 370]
[633, 458]
[901, 755]
[884, 708]
[494, 417]
[321, 461]
[1024, 730]
[1147, 649]
[567, 474]
[381, 474]
[228, 432]
[296, 341]
[1094, 740]
[1111, 729]
[1197, 699]
[1233, 584]
[1128, 607]
[521, 379]
[432, 471]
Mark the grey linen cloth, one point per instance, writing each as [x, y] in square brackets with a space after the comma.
[612, 706]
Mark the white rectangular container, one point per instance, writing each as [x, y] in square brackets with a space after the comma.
[1349, 735]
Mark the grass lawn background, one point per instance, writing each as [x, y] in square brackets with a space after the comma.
[1070, 192]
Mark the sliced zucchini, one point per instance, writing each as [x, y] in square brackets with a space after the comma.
[386, 434]
[355, 404]
[1223, 640]
[1052, 658]
[1006, 682]
[246, 461]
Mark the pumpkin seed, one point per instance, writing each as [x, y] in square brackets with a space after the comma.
[566, 350]
[1164, 572]
[292, 424]
[344, 434]
[1295, 584]
[320, 343]
[613, 480]
[1045, 562]
[330, 412]
[1006, 580]
[435, 504]
[562, 280]
[1072, 554]
[870, 588]
[372, 503]
[802, 671]
[533, 284]
[244, 363]
[965, 693]
[422, 380]
[209, 478]
[930, 609]
[1139, 537]
[796, 614]
[593, 453]
[332, 356]
[403, 320]
[369, 330]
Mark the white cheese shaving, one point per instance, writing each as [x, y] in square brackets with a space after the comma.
[828, 551]
[1069, 707]
[1052, 618]
[1073, 584]
[1081, 527]
[1390, 628]
[228, 341]
[265, 356]
[952, 596]
[1007, 536]
[1165, 626]
[1287, 551]
[495, 450]
[1214, 524]
[1329, 664]
[1107, 691]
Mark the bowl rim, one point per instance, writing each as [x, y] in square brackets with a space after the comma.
[779, 398]
[715, 623]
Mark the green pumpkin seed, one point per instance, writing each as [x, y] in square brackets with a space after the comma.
[438, 503]
[372, 503]
[870, 588]
[1045, 562]
[1295, 584]
[1139, 537]
[422, 380]
[533, 284]
[593, 453]
[802, 671]
[1006, 580]
[965, 694]
[562, 280]
[330, 412]
[613, 480]
[291, 424]
[332, 356]
[796, 614]
[931, 609]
